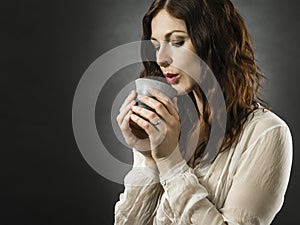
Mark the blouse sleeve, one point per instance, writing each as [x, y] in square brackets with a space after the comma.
[256, 194]
[139, 201]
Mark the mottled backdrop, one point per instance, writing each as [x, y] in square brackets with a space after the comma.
[46, 46]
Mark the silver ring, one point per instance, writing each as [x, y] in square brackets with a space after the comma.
[157, 122]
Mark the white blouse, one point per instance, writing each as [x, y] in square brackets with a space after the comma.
[244, 185]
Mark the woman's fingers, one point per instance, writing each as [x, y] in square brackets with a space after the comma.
[174, 100]
[170, 106]
[162, 104]
[129, 98]
[124, 112]
[162, 126]
[150, 126]
[124, 126]
[156, 130]
[144, 113]
[126, 106]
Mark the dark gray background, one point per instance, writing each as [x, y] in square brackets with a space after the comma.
[45, 48]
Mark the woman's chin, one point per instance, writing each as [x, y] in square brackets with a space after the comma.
[181, 90]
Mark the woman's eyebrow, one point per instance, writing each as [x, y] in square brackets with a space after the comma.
[167, 36]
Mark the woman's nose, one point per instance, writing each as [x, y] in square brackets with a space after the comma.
[163, 57]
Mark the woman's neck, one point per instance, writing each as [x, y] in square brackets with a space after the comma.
[196, 93]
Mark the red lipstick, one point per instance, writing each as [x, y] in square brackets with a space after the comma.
[171, 78]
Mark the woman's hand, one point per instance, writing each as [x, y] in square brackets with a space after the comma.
[162, 127]
[141, 145]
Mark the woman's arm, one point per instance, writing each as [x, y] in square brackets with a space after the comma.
[138, 203]
[256, 194]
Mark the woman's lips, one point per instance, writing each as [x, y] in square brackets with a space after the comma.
[171, 78]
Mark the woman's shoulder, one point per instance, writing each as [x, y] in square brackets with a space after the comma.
[262, 123]
[263, 118]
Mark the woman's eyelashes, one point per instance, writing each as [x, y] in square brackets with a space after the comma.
[155, 44]
[180, 43]
[156, 47]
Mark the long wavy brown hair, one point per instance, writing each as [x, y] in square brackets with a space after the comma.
[220, 38]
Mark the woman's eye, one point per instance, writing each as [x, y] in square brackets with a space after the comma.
[156, 47]
[177, 43]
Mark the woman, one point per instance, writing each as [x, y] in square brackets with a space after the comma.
[245, 183]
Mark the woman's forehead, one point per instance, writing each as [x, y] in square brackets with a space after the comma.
[164, 23]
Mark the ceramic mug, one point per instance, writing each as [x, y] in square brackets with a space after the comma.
[142, 86]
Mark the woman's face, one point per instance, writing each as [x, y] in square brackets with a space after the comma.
[174, 51]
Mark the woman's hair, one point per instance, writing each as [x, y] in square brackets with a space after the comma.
[220, 38]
